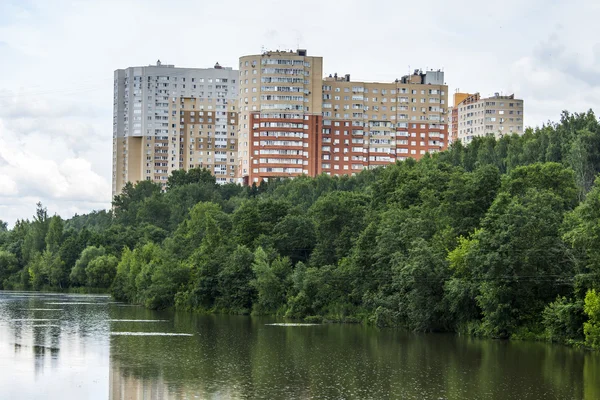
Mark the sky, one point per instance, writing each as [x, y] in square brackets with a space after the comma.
[57, 60]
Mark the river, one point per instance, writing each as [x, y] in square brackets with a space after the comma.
[58, 346]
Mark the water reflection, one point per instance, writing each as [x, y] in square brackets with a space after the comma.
[103, 350]
[43, 353]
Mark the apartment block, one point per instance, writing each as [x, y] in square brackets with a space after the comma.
[207, 137]
[453, 114]
[371, 124]
[167, 118]
[275, 117]
[497, 115]
[280, 115]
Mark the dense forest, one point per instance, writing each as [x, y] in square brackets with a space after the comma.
[500, 238]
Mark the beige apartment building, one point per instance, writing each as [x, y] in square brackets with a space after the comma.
[497, 115]
[276, 117]
[280, 115]
[207, 136]
[294, 122]
[371, 124]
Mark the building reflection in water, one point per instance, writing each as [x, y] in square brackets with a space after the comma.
[131, 387]
[125, 385]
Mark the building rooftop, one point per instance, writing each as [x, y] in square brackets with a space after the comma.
[418, 77]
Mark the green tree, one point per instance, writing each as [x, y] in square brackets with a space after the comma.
[563, 320]
[9, 265]
[35, 237]
[584, 158]
[257, 217]
[101, 271]
[419, 287]
[339, 218]
[169, 277]
[271, 282]
[46, 270]
[582, 232]
[520, 260]
[78, 276]
[591, 328]
[127, 204]
[191, 176]
[294, 236]
[235, 292]
[54, 235]
[72, 246]
[190, 233]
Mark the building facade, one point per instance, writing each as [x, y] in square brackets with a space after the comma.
[164, 119]
[453, 115]
[275, 117]
[371, 124]
[294, 122]
[280, 115]
[496, 115]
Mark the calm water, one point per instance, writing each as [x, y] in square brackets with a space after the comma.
[88, 347]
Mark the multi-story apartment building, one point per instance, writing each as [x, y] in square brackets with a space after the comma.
[293, 122]
[207, 137]
[276, 117]
[453, 115]
[165, 118]
[370, 124]
[280, 115]
[496, 115]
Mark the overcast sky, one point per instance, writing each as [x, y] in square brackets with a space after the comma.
[57, 60]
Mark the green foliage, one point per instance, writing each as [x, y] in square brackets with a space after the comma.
[101, 271]
[563, 320]
[54, 236]
[127, 204]
[318, 293]
[338, 219]
[591, 328]
[96, 221]
[582, 233]
[9, 265]
[35, 234]
[235, 293]
[520, 259]
[499, 238]
[418, 284]
[294, 236]
[271, 282]
[47, 270]
[78, 275]
[194, 175]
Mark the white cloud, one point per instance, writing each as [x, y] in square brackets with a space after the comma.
[58, 59]
[43, 165]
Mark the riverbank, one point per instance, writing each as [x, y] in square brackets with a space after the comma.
[497, 238]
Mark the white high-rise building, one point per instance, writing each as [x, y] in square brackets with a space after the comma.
[497, 115]
[151, 137]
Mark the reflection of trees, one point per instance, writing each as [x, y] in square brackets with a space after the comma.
[241, 357]
[591, 372]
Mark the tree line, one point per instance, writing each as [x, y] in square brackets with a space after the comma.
[499, 238]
